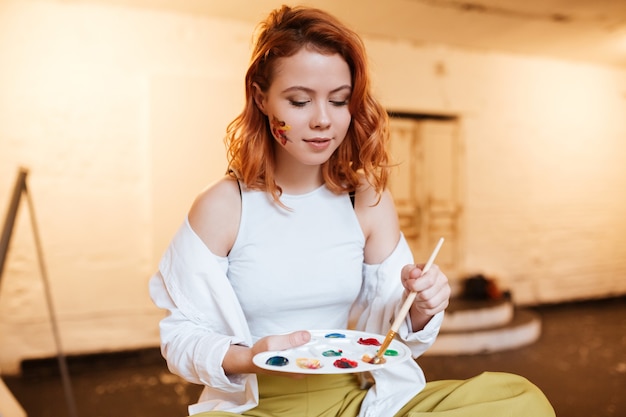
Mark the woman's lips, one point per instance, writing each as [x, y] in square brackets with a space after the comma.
[318, 143]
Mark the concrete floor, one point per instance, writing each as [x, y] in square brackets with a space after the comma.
[579, 362]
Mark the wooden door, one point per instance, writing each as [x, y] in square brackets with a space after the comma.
[425, 186]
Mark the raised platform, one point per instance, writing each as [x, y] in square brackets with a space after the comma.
[473, 327]
[465, 315]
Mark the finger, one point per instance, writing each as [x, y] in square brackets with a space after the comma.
[290, 340]
[431, 309]
[424, 280]
[433, 295]
[299, 338]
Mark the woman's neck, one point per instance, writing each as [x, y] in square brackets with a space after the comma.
[298, 179]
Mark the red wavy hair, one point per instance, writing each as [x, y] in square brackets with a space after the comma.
[249, 143]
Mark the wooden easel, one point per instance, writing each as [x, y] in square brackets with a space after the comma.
[20, 189]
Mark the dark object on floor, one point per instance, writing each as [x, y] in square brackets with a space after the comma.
[479, 287]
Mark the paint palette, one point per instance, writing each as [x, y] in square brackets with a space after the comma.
[333, 352]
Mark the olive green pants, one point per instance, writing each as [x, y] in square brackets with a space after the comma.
[489, 394]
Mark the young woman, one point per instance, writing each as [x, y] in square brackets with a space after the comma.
[300, 235]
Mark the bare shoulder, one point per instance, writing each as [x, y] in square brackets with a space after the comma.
[215, 215]
[379, 220]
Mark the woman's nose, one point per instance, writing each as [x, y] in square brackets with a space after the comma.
[321, 117]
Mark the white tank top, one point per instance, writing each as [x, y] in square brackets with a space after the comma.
[298, 269]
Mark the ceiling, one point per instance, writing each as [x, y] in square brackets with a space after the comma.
[581, 30]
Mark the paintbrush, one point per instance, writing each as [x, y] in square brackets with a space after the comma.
[378, 359]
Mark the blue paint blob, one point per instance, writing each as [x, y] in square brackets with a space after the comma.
[332, 353]
[277, 361]
[335, 336]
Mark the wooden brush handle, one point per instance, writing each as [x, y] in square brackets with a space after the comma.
[390, 335]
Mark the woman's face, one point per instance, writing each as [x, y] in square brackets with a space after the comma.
[307, 105]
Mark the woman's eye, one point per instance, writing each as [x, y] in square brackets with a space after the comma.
[297, 103]
[339, 103]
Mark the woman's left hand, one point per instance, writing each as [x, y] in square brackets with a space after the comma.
[432, 292]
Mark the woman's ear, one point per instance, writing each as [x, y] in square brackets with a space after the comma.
[259, 97]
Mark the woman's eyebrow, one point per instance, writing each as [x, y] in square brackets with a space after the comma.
[310, 90]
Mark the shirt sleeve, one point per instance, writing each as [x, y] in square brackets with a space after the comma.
[203, 320]
[192, 350]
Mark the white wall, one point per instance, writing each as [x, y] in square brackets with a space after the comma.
[119, 114]
[544, 171]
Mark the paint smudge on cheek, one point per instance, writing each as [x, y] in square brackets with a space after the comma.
[280, 129]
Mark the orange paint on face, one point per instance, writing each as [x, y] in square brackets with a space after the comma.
[279, 129]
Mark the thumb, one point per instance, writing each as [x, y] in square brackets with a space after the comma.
[292, 340]
[282, 342]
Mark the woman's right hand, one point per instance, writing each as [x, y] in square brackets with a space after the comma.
[238, 359]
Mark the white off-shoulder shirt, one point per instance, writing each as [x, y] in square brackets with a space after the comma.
[292, 258]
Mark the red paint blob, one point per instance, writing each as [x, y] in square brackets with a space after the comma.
[369, 342]
[345, 363]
